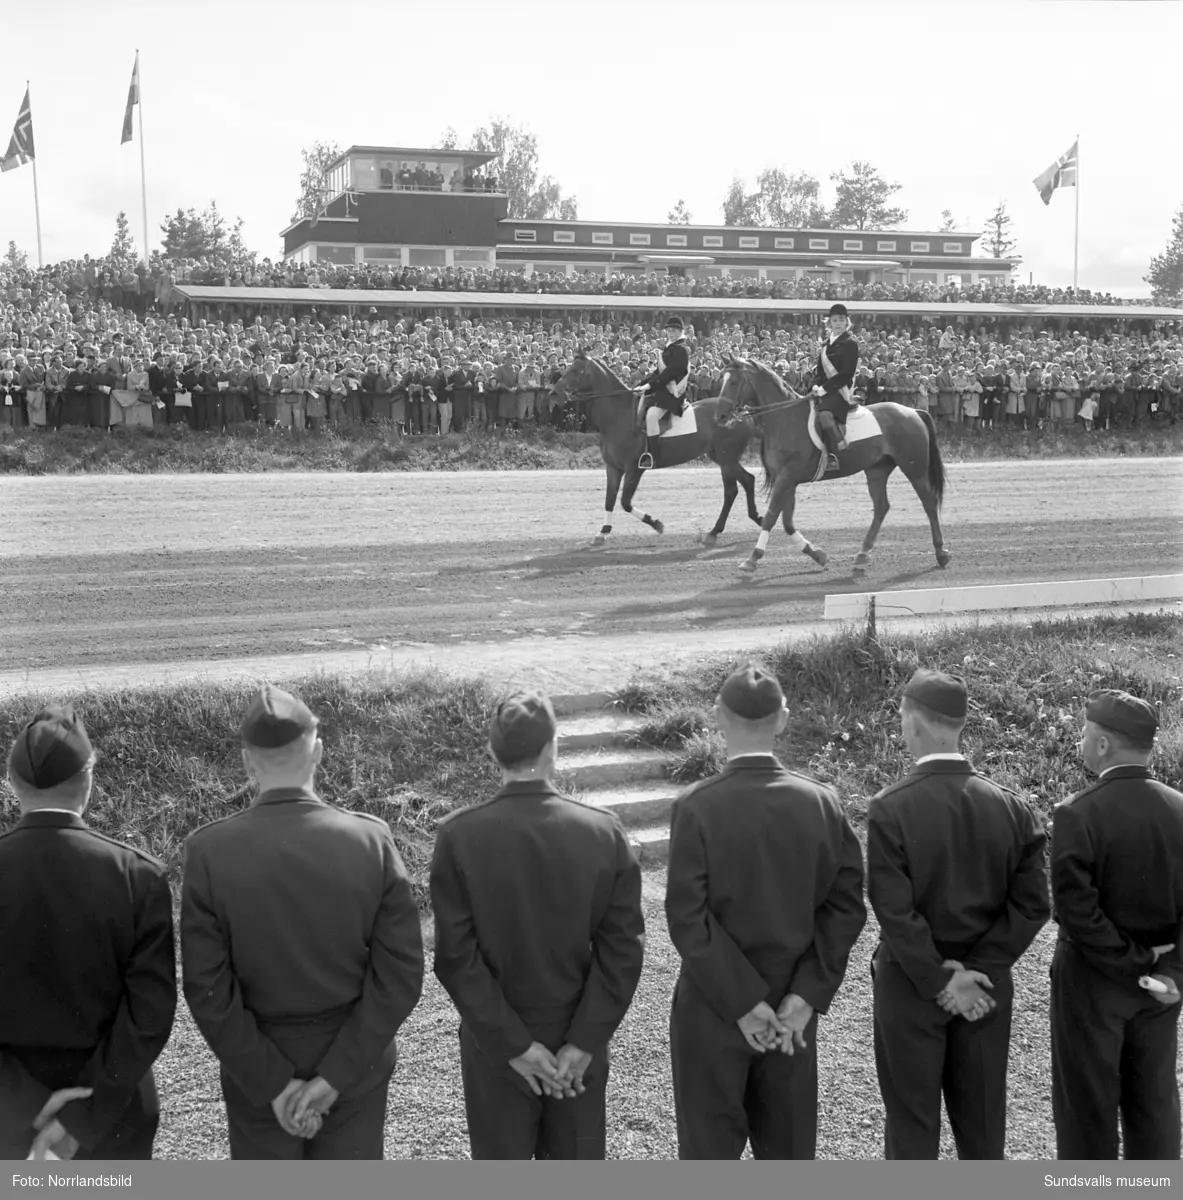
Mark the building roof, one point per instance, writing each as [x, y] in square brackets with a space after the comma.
[476, 156]
[312, 297]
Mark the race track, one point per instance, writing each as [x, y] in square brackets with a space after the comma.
[123, 569]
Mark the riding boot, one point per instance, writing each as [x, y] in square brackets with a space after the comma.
[829, 432]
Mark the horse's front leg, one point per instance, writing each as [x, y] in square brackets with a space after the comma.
[631, 480]
[784, 485]
[730, 491]
[615, 474]
[795, 536]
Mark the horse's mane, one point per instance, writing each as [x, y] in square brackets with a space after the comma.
[768, 373]
[599, 362]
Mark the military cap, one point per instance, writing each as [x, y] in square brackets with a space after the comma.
[522, 726]
[1137, 719]
[944, 694]
[752, 693]
[275, 718]
[52, 748]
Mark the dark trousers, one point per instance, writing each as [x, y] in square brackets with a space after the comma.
[1113, 1058]
[726, 1094]
[129, 1140]
[507, 1121]
[921, 1051]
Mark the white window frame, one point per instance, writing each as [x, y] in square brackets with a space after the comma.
[881, 247]
[951, 248]
[819, 243]
[638, 239]
[749, 243]
[566, 236]
[783, 243]
[919, 247]
[525, 235]
[602, 239]
[712, 241]
[675, 239]
[852, 244]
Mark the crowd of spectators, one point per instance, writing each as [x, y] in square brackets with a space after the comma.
[95, 343]
[425, 177]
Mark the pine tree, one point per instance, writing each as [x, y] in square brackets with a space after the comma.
[16, 259]
[123, 247]
[678, 215]
[998, 240]
[1166, 269]
[861, 201]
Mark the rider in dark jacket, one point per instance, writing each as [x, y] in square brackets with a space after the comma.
[665, 389]
[833, 381]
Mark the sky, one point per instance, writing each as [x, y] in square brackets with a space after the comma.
[634, 106]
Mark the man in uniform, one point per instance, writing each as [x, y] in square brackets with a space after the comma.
[665, 388]
[764, 903]
[89, 966]
[833, 381]
[538, 940]
[302, 952]
[1117, 887]
[956, 877]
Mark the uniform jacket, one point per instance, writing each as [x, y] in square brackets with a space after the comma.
[843, 353]
[675, 367]
[765, 887]
[1117, 874]
[538, 925]
[87, 972]
[293, 910]
[955, 870]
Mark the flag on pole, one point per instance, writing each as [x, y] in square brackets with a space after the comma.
[20, 149]
[133, 98]
[1062, 173]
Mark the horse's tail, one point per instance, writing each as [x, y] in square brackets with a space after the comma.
[936, 465]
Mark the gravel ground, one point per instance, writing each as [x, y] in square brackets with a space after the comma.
[426, 1116]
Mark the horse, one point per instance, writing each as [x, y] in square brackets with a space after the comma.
[622, 441]
[907, 440]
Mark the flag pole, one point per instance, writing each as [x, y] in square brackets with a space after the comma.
[143, 174]
[1076, 238]
[36, 195]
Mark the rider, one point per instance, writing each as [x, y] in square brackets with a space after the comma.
[665, 389]
[833, 382]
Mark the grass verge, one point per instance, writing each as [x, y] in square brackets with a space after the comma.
[176, 450]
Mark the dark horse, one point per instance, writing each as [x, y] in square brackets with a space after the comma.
[622, 439]
[908, 441]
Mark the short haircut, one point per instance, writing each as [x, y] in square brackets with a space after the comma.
[518, 762]
[280, 758]
[70, 792]
[937, 721]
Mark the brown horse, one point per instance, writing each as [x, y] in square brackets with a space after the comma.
[622, 440]
[907, 440]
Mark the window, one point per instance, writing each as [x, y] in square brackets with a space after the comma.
[951, 248]
[365, 174]
[712, 241]
[675, 239]
[852, 244]
[781, 273]
[471, 258]
[888, 246]
[749, 243]
[601, 239]
[638, 239]
[919, 247]
[743, 272]
[819, 243]
[564, 235]
[783, 243]
[341, 255]
[711, 272]
[922, 277]
[428, 258]
[380, 253]
[525, 235]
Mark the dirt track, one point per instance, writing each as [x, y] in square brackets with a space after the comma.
[121, 569]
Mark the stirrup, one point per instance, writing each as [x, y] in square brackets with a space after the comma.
[642, 464]
[832, 463]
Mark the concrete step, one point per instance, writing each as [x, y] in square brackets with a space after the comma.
[637, 803]
[651, 843]
[571, 703]
[598, 730]
[588, 769]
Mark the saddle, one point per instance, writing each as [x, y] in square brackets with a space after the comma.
[645, 402]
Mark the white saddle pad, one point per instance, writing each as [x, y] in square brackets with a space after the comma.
[684, 425]
[860, 425]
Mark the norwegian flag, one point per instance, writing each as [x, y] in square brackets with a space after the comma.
[133, 98]
[1062, 173]
[20, 149]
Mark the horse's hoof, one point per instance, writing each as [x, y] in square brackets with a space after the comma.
[819, 556]
[747, 567]
[658, 527]
[858, 573]
[709, 539]
[943, 557]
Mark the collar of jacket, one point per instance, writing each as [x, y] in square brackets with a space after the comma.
[753, 762]
[527, 787]
[286, 795]
[1127, 771]
[943, 766]
[52, 820]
